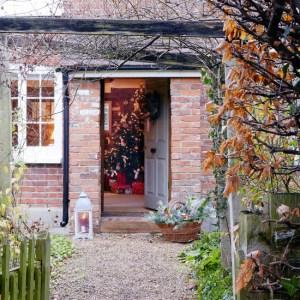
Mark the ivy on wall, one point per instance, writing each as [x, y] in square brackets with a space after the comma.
[213, 79]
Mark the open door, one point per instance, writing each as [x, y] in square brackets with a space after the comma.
[156, 148]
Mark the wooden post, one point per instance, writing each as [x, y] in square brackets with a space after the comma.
[22, 271]
[5, 273]
[30, 269]
[5, 119]
[38, 282]
[13, 286]
[232, 214]
[43, 254]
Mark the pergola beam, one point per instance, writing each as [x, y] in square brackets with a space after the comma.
[167, 59]
[201, 28]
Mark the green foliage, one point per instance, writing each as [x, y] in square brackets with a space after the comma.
[11, 229]
[291, 285]
[204, 258]
[62, 248]
[191, 210]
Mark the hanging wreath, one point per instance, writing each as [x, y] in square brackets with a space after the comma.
[152, 105]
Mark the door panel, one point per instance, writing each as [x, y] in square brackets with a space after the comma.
[161, 180]
[150, 186]
[156, 149]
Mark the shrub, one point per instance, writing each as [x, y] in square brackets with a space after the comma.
[61, 249]
[204, 258]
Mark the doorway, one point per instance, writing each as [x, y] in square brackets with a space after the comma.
[135, 145]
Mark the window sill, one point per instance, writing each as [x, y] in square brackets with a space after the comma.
[40, 155]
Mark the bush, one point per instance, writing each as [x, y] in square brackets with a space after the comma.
[204, 258]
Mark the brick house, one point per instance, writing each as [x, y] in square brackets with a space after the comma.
[70, 117]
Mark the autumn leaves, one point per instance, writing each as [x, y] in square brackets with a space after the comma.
[260, 103]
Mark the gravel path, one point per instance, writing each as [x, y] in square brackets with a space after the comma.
[123, 267]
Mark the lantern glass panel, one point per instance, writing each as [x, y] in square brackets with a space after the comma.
[83, 222]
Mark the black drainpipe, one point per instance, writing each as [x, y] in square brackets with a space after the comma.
[65, 216]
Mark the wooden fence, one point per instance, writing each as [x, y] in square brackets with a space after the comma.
[31, 279]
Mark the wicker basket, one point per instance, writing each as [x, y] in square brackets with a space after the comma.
[183, 234]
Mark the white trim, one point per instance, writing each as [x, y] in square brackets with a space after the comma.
[51, 154]
[136, 74]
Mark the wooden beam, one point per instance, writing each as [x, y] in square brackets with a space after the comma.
[201, 28]
[5, 121]
[169, 58]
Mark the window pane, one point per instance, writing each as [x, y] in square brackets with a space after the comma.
[14, 110]
[47, 134]
[15, 135]
[33, 88]
[33, 134]
[47, 110]
[47, 88]
[33, 110]
[14, 105]
[14, 88]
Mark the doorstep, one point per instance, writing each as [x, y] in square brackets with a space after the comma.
[127, 224]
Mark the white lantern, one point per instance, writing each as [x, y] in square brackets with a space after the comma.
[83, 216]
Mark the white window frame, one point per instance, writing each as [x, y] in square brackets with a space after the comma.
[51, 154]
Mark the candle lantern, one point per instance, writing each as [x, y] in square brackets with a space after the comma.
[83, 218]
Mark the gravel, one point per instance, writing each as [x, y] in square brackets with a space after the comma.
[124, 267]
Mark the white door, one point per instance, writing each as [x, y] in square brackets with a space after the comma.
[156, 149]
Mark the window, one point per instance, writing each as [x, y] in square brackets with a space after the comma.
[37, 116]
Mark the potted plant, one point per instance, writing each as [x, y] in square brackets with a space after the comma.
[180, 221]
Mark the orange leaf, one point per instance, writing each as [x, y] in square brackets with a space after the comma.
[209, 160]
[287, 18]
[214, 119]
[245, 274]
[259, 29]
[210, 106]
[266, 172]
[232, 184]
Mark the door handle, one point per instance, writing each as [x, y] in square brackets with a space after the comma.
[153, 150]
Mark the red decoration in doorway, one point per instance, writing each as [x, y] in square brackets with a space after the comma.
[120, 185]
[138, 187]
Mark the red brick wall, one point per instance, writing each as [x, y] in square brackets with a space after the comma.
[189, 138]
[85, 143]
[42, 186]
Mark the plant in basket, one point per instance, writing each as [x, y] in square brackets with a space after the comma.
[180, 221]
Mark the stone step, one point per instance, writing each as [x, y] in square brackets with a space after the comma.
[127, 224]
[122, 213]
[125, 209]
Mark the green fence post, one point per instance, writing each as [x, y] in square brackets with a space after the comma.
[23, 271]
[13, 286]
[5, 273]
[30, 269]
[38, 282]
[43, 254]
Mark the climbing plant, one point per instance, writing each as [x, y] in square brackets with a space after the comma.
[213, 79]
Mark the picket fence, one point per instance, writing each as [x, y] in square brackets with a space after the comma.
[30, 280]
